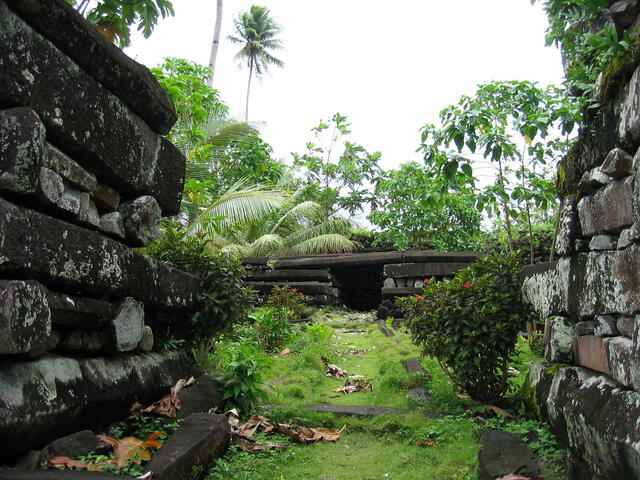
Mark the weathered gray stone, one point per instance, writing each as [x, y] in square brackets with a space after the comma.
[28, 461]
[569, 227]
[22, 140]
[622, 358]
[305, 275]
[40, 246]
[609, 210]
[51, 344]
[596, 418]
[127, 325]
[618, 164]
[603, 242]
[146, 341]
[585, 328]
[106, 198]
[131, 82]
[95, 128]
[548, 292]
[189, 451]
[626, 325]
[71, 340]
[624, 12]
[42, 399]
[389, 283]
[629, 114]
[628, 236]
[69, 169]
[73, 201]
[592, 353]
[50, 187]
[76, 445]
[593, 180]
[141, 218]
[307, 288]
[413, 365]
[605, 326]
[94, 341]
[562, 341]
[581, 245]
[89, 215]
[25, 317]
[112, 224]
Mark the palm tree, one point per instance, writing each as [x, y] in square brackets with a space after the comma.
[215, 43]
[256, 32]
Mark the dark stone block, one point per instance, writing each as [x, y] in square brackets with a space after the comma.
[618, 164]
[13, 474]
[79, 312]
[96, 129]
[503, 453]
[42, 399]
[425, 270]
[400, 292]
[187, 453]
[569, 228]
[382, 325]
[609, 210]
[307, 288]
[202, 396]
[318, 275]
[45, 248]
[414, 365]
[141, 220]
[132, 82]
[22, 144]
[73, 446]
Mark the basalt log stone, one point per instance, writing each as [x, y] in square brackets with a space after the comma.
[306, 288]
[569, 228]
[25, 317]
[609, 210]
[69, 169]
[43, 399]
[548, 290]
[49, 249]
[309, 275]
[436, 269]
[112, 224]
[141, 220]
[22, 145]
[129, 80]
[95, 128]
[598, 419]
[50, 187]
[127, 324]
[79, 312]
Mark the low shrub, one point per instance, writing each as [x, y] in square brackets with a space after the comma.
[471, 323]
[287, 298]
[272, 327]
[242, 380]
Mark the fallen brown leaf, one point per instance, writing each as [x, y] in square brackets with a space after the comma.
[516, 476]
[66, 462]
[496, 410]
[335, 371]
[170, 404]
[283, 353]
[132, 449]
[305, 435]
[352, 386]
[429, 443]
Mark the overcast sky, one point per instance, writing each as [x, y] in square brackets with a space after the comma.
[389, 66]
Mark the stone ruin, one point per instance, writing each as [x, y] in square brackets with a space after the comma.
[358, 280]
[85, 175]
[589, 389]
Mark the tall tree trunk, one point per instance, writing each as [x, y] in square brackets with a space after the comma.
[528, 207]
[215, 43]
[505, 206]
[246, 110]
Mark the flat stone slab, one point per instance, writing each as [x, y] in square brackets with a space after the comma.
[13, 474]
[367, 410]
[48, 249]
[390, 292]
[382, 325]
[307, 288]
[319, 275]
[413, 365]
[201, 438]
[434, 269]
[44, 399]
[502, 453]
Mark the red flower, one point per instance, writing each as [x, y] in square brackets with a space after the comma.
[467, 285]
[420, 297]
[425, 281]
[300, 294]
[294, 290]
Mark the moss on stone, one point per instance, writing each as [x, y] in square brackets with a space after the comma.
[529, 396]
[616, 75]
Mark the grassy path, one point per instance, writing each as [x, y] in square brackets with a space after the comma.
[403, 447]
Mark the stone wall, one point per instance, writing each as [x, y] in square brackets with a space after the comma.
[85, 175]
[590, 388]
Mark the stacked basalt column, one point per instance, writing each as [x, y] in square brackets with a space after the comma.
[85, 175]
[589, 389]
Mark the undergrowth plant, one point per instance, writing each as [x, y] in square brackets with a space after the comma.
[242, 380]
[471, 323]
[272, 327]
[287, 298]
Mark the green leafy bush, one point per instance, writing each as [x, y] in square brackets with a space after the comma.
[319, 333]
[224, 299]
[471, 323]
[242, 380]
[287, 298]
[272, 328]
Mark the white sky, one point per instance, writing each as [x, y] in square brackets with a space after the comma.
[389, 66]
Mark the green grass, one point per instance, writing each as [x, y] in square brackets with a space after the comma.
[370, 448]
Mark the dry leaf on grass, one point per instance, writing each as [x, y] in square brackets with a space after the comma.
[496, 410]
[352, 386]
[429, 443]
[66, 462]
[516, 476]
[283, 353]
[335, 371]
[132, 449]
[305, 435]
[170, 404]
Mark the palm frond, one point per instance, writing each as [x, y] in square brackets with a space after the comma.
[339, 226]
[328, 243]
[306, 209]
[267, 245]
